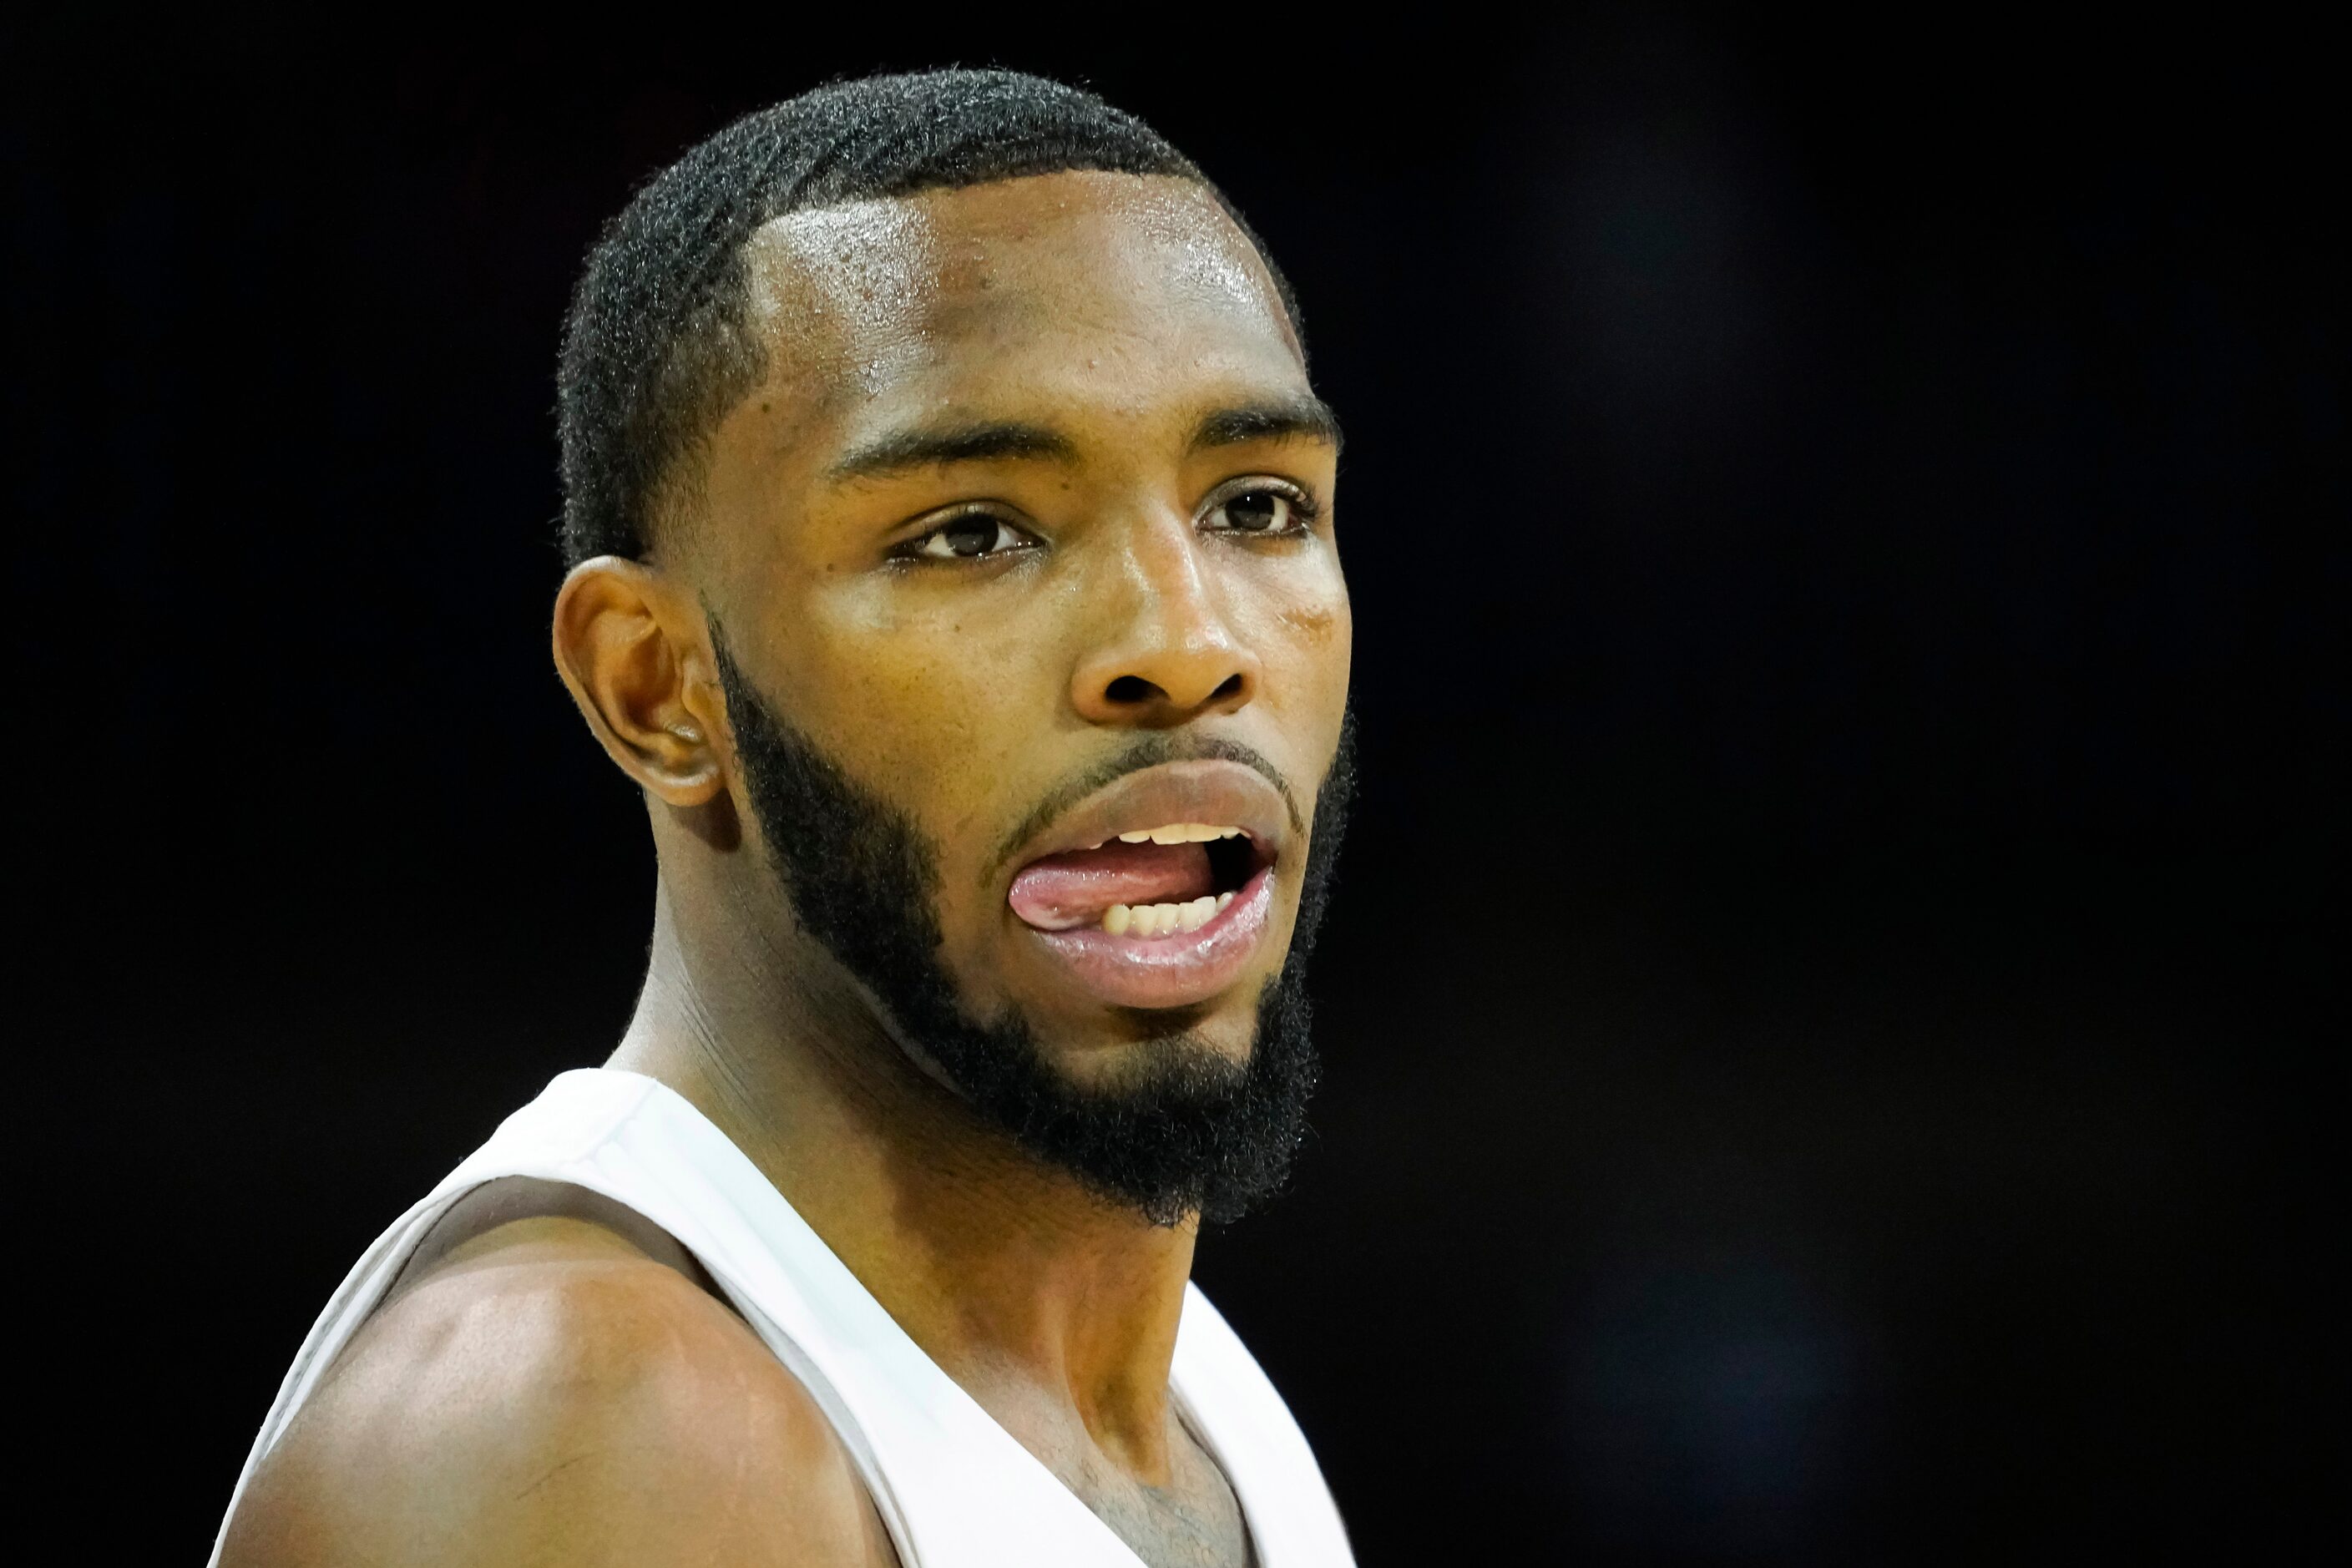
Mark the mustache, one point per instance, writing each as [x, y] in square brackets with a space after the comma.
[1144, 752]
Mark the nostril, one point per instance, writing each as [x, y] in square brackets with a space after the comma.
[1131, 689]
[1232, 687]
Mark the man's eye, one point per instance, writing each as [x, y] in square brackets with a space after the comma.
[1260, 512]
[974, 534]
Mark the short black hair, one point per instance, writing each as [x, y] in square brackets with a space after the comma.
[657, 347]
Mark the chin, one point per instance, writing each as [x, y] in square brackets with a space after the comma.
[1147, 1046]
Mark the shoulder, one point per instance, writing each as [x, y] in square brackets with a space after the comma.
[549, 1393]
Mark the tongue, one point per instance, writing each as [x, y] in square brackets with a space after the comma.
[1062, 892]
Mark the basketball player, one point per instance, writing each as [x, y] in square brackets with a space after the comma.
[950, 521]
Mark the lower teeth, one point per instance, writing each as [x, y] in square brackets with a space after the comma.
[1160, 919]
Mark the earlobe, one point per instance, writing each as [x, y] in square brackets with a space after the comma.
[632, 680]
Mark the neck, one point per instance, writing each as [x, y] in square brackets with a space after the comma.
[1055, 1310]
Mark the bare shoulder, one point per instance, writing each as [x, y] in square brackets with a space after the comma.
[550, 1389]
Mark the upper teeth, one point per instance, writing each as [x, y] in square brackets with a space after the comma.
[1179, 832]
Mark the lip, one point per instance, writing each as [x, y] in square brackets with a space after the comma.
[1172, 970]
[1204, 790]
[1180, 968]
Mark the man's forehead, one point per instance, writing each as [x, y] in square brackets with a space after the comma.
[857, 291]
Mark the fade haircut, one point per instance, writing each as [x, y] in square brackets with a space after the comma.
[659, 345]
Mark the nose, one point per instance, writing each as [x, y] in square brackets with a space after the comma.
[1167, 653]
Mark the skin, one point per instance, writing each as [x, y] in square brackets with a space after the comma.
[551, 1383]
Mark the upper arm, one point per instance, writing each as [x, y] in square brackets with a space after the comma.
[557, 1402]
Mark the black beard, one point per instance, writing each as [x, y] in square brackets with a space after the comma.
[1188, 1131]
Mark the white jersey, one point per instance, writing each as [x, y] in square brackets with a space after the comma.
[955, 1489]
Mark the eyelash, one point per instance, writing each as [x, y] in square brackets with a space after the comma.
[1303, 508]
[916, 548]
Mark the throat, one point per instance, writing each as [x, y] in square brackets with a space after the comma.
[1160, 1492]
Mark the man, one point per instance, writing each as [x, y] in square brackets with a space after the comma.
[950, 521]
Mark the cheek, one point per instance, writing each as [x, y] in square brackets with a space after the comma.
[943, 713]
[1308, 658]
[922, 703]
[1315, 626]
[1308, 636]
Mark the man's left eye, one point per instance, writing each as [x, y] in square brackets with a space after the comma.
[1259, 511]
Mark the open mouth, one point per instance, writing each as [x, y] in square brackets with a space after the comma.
[1148, 883]
[1158, 891]
[1164, 917]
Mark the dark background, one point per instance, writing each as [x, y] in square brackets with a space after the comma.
[1823, 1011]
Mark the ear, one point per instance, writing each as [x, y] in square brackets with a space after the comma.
[641, 676]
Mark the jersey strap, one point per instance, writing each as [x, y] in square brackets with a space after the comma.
[954, 1488]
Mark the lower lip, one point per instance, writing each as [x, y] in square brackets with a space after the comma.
[1178, 970]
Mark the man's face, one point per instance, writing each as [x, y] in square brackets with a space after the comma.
[1035, 492]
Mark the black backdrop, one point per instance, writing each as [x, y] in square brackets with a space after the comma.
[1821, 1012]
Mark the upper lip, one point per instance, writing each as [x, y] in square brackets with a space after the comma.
[1210, 790]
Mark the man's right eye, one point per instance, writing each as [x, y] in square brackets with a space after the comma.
[967, 538]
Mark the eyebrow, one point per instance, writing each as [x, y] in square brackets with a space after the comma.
[1303, 417]
[932, 446]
